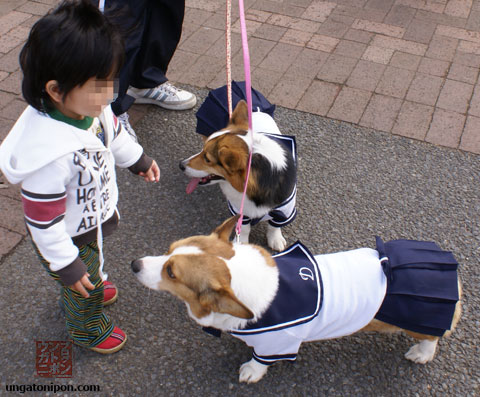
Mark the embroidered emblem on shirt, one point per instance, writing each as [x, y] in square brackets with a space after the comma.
[306, 274]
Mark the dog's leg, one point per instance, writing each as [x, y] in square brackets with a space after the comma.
[252, 371]
[422, 352]
[275, 238]
[245, 233]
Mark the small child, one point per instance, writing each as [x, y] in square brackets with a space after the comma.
[63, 150]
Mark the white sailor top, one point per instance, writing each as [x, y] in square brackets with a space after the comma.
[407, 283]
[319, 297]
[284, 213]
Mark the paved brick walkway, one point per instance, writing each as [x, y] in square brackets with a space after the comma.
[409, 67]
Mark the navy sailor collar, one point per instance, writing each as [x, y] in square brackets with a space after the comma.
[300, 292]
[287, 141]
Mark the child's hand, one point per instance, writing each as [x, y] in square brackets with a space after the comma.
[81, 284]
[153, 174]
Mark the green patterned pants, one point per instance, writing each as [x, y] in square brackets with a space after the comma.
[86, 322]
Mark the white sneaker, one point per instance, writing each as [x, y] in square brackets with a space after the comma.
[123, 118]
[165, 95]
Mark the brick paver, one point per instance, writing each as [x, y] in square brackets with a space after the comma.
[350, 105]
[337, 69]
[395, 82]
[470, 139]
[446, 127]
[366, 75]
[425, 89]
[413, 120]
[405, 61]
[381, 112]
[409, 67]
[474, 108]
[455, 96]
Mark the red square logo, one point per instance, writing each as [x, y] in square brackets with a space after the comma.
[54, 359]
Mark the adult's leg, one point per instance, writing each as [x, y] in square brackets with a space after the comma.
[131, 17]
[161, 35]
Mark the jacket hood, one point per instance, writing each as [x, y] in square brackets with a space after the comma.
[36, 140]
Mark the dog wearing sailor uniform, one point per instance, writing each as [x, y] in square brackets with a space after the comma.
[271, 187]
[285, 212]
[275, 303]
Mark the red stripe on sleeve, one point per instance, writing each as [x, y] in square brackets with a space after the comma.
[44, 211]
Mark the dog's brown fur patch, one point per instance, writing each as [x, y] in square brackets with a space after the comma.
[217, 243]
[224, 231]
[239, 117]
[227, 154]
[203, 281]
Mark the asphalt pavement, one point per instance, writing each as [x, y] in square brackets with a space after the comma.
[353, 183]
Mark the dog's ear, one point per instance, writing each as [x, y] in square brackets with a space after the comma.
[224, 301]
[232, 161]
[240, 115]
[225, 229]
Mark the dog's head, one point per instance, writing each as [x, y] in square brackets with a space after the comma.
[224, 155]
[195, 271]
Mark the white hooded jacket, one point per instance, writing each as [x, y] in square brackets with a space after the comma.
[68, 181]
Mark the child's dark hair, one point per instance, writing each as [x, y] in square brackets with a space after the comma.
[71, 44]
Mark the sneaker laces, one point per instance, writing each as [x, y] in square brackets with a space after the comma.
[123, 118]
[168, 89]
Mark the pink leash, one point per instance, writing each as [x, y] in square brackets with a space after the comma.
[248, 89]
[228, 51]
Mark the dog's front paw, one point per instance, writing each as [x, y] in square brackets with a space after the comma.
[252, 371]
[275, 239]
[422, 352]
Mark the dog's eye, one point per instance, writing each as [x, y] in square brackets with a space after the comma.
[206, 158]
[170, 272]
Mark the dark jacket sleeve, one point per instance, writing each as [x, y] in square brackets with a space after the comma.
[142, 165]
[73, 272]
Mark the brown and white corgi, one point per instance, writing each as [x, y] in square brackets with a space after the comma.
[271, 189]
[276, 303]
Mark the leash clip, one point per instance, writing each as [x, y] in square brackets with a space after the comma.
[238, 227]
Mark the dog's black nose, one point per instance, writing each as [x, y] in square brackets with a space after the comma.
[182, 167]
[136, 265]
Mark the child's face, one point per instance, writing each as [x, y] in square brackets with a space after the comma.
[88, 99]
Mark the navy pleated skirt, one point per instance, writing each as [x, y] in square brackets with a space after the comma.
[422, 286]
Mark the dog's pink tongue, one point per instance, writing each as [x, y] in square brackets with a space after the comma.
[192, 185]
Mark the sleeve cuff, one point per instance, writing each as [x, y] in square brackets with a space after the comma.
[73, 272]
[142, 165]
[269, 360]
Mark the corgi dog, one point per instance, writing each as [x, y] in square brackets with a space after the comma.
[275, 303]
[271, 188]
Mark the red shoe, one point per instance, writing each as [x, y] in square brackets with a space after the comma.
[110, 293]
[113, 343]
